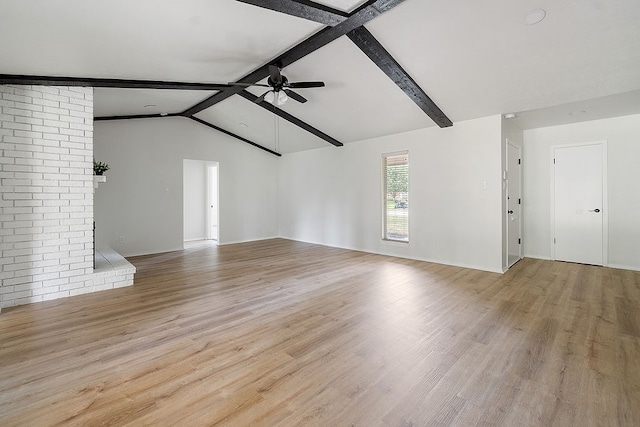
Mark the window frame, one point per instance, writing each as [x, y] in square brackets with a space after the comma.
[385, 234]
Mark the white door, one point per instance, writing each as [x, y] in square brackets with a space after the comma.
[514, 205]
[212, 207]
[578, 203]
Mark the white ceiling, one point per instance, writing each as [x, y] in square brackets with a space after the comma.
[123, 102]
[256, 124]
[343, 5]
[474, 59]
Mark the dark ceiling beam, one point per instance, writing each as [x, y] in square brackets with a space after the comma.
[366, 42]
[231, 134]
[133, 116]
[359, 17]
[370, 46]
[303, 9]
[110, 83]
[278, 112]
[383, 59]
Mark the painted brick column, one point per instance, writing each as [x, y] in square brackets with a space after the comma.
[46, 204]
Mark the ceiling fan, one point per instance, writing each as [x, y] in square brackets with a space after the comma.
[280, 86]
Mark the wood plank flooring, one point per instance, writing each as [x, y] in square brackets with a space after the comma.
[286, 333]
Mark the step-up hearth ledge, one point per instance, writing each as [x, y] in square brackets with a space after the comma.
[112, 270]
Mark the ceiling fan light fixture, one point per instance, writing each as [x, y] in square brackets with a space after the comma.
[282, 97]
[270, 97]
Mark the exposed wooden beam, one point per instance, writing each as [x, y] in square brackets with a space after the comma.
[16, 79]
[134, 116]
[359, 17]
[226, 132]
[303, 9]
[368, 44]
[383, 59]
[278, 112]
[342, 24]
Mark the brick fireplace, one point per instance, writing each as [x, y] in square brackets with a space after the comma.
[47, 186]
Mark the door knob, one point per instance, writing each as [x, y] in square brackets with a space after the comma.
[510, 212]
[595, 210]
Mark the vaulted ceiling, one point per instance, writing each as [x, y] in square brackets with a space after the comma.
[389, 66]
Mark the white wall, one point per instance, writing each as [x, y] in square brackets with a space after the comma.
[142, 199]
[623, 141]
[195, 199]
[332, 196]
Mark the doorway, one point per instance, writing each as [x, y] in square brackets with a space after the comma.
[200, 201]
[212, 202]
[578, 203]
[514, 204]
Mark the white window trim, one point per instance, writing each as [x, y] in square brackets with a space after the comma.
[383, 195]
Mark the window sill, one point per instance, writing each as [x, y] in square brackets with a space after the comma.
[395, 242]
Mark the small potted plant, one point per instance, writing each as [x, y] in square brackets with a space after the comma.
[99, 168]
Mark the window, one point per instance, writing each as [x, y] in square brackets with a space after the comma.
[395, 196]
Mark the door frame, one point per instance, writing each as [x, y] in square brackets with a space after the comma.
[605, 198]
[210, 201]
[520, 251]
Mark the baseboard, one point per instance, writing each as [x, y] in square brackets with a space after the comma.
[433, 261]
[162, 251]
[234, 242]
[618, 266]
[624, 267]
[544, 257]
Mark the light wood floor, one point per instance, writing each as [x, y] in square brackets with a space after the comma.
[285, 333]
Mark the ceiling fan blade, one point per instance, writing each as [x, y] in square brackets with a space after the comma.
[295, 96]
[261, 97]
[302, 85]
[274, 72]
[246, 84]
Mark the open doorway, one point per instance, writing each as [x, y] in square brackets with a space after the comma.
[200, 202]
[212, 201]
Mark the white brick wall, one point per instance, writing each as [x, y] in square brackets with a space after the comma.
[46, 208]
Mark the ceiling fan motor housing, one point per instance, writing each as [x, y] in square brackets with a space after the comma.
[277, 85]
